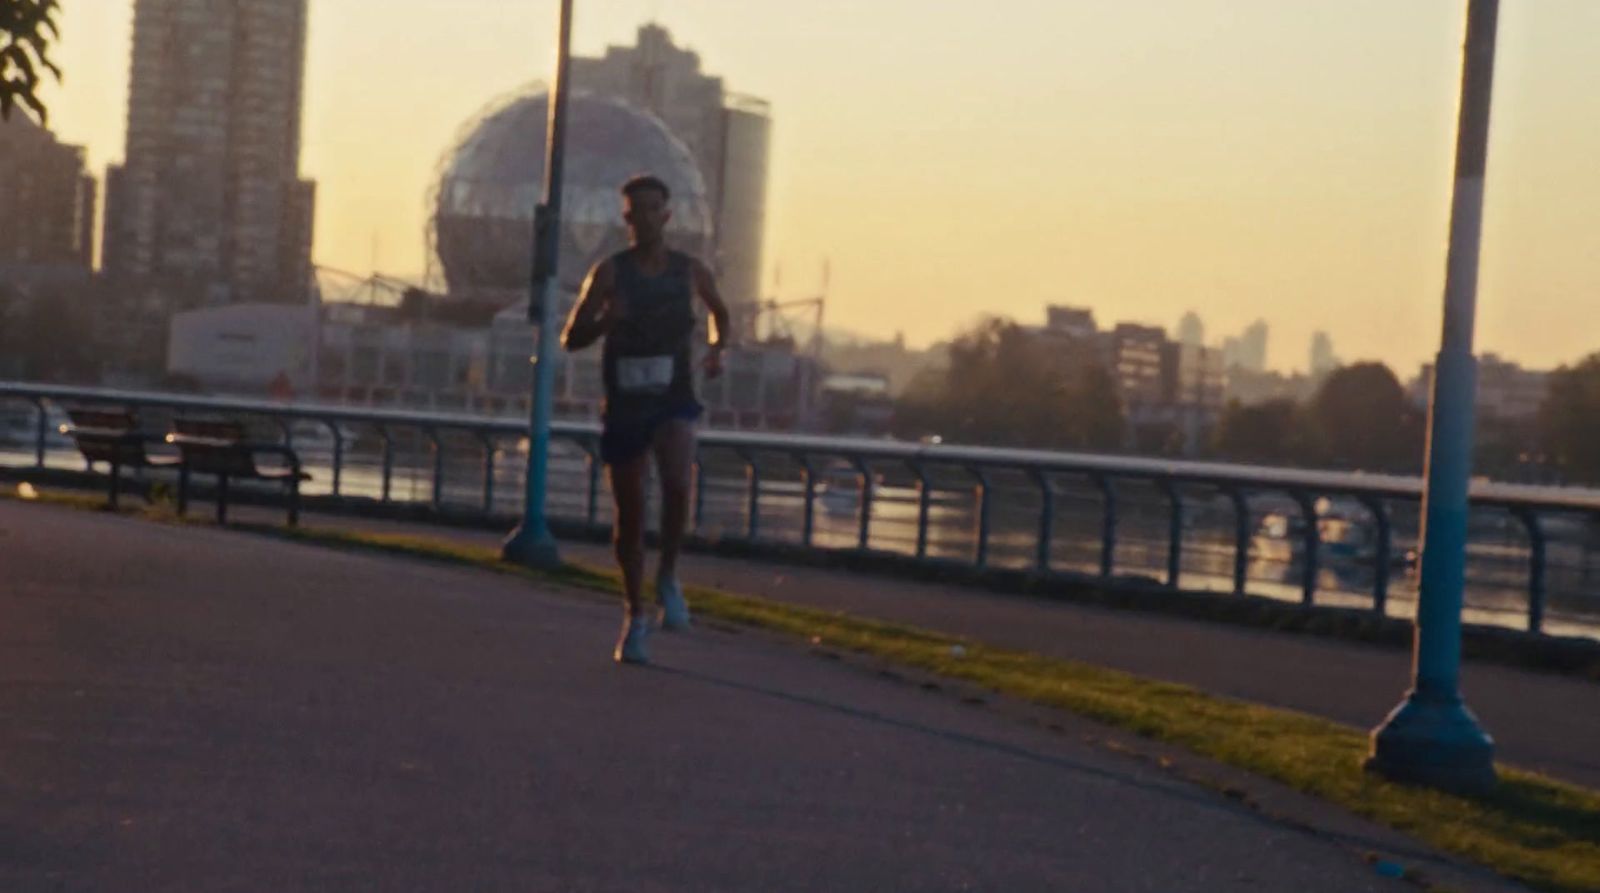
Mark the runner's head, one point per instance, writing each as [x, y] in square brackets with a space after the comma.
[644, 207]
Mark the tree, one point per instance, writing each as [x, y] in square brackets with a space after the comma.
[49, 337]
[1092, 409]
[1277, 432]
[27, 28]
[1004, 386]
[1362, 419]
[1569, 420]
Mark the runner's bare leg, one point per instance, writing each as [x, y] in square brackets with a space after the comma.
[627, 532]
[674, 452]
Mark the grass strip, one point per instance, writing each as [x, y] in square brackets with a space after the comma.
[1542, 832]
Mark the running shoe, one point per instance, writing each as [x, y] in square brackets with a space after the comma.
[674, 609]
[630, 648]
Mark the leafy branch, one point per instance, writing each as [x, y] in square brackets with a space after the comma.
[27, 28]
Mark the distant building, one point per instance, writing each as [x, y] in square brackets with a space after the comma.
[892, 360]
[46, 200]
[386, 357]
[1191, 330]
[729, 135]
[209, 208]
[1199, 381]
[1137, 359]
[1249, 388]
[244, 348]
[1075, 322]
[1249, 350]
[642, 108]
[1508, 394]
[856, 404]
[1323, 360]
[1172, 392]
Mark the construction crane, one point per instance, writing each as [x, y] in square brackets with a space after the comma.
[783, 322]
[781, 317]
[353, 288]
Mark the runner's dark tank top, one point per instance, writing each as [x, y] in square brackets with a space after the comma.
[646, 358]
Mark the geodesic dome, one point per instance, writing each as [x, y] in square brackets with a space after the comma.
[482, 225]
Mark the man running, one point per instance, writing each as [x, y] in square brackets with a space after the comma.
[641, 301]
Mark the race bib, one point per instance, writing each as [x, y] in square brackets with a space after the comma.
[644, 375]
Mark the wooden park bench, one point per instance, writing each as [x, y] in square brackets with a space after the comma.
[113, 436]
[222, 448]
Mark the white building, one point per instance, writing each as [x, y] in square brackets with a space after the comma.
[245, 348]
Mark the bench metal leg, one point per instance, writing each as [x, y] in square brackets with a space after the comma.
[183, 489]
[116, 483]
[294, 502]
[222, 499]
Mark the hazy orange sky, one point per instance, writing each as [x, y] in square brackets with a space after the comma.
[1242, 158]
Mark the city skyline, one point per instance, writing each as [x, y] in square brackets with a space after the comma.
[1291, 165]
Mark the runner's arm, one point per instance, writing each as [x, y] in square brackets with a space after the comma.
[705, 285]
[592, 316]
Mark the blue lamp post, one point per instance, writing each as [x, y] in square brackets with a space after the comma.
[531, 543]
[1432, 738]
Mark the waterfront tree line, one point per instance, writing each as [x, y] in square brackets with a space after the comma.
[1005, 386]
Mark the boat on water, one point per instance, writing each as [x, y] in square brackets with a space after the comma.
[839, 488]
[1345, 530]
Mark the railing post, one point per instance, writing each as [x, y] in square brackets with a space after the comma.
[338, 455]
[1382, 556]
[438, 467]
[1536, 567]
[1047, 521]
[924, 507]
[864, 519]
[488, 471]
[41, 425]
[1174, 534]
[1108, 524]
[753, 475]
[1310, 546]
[981, 559]
[388, 459]
[808, 519]
[1241, 538]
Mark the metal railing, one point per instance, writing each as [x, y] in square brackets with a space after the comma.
[1312, 536]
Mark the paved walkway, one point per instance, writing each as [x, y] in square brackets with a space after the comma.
[197, 709]
[1539, 721]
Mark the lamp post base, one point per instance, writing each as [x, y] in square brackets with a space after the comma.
[1436, 744]
[535, 549]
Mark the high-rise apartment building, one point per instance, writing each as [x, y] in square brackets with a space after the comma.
[1323, 360]
[1191, 330]
[1136, 354]
[729, 134]
[46, 200]
[208, 206]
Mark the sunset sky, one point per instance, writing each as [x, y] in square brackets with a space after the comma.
[1242, 158]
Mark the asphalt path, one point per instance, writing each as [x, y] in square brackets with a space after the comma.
[1540, 721]
[200, 709]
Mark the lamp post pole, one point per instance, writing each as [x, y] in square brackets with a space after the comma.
[1432, 738]
[531, 543]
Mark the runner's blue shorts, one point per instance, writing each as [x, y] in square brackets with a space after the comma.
[623, 440]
